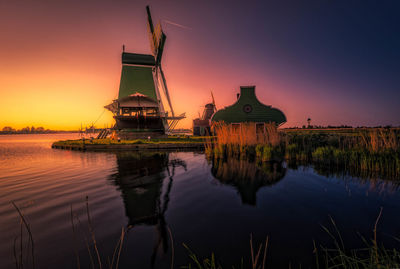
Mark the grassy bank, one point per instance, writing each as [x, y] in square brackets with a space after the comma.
[109, 141]
[374, 150]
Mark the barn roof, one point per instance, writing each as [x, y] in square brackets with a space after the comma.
[249, 109]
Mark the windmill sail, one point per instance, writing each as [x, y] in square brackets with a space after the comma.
[166, 91]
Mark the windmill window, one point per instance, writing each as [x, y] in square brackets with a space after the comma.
[151, 112]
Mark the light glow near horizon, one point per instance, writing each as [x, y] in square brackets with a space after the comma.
[61, 63]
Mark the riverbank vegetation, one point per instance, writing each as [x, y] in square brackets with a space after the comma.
[365, 149]
[109, 141]
[373, 255]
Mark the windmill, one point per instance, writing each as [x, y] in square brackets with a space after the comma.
[201, 125]
[139, 110]
[146, 192]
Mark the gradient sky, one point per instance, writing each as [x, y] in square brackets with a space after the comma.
[337, 62]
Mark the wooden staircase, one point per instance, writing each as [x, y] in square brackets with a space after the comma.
[104, 133]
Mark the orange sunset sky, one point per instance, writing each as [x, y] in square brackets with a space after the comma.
[60, 61]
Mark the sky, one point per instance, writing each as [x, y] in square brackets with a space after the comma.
[334, 61]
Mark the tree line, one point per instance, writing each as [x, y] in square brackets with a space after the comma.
[26, 130]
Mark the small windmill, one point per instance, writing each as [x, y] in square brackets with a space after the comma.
[139, 109]
[201, 125]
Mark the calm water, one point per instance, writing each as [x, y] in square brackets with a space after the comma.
[210, 207]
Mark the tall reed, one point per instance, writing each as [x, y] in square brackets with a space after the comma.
[373, 150]
[372, 256]
[29, 260]
[244, 141]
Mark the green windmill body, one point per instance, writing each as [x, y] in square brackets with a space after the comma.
[136, 79]
[249, 109]
[139, 110]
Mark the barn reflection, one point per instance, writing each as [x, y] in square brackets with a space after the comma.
[246, 176]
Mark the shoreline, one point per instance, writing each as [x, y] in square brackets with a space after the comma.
[136, 145]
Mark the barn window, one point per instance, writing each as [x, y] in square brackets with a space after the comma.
[235, 128]
[260, 128]
[247, 108]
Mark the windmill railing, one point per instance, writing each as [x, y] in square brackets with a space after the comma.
[173, 121]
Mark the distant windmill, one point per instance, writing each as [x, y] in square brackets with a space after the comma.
[201, 125]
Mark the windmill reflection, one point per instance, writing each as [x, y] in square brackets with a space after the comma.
[247, 177]
[141, 178]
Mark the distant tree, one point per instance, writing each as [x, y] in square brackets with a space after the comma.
[8, 129]
[40, 130]
[309, 123]
[32, 130]
[25, 130]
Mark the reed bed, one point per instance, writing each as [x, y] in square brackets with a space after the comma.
[373, 150]
[245, 142]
